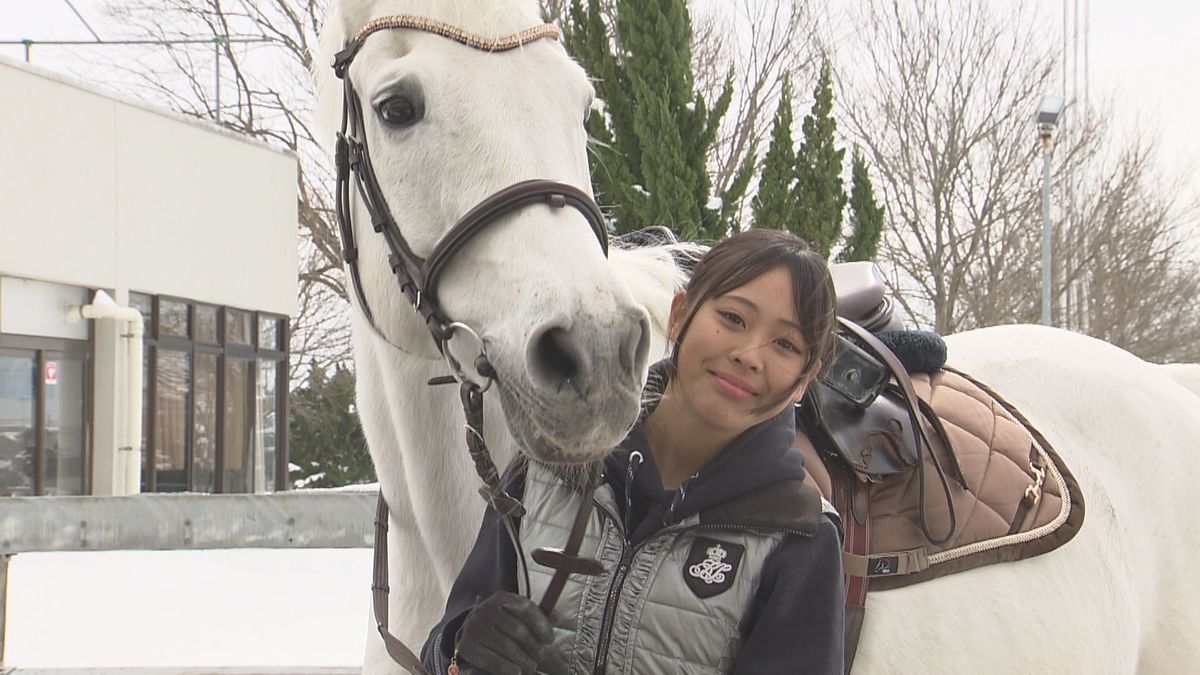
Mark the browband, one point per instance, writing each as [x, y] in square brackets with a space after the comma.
[500, 44]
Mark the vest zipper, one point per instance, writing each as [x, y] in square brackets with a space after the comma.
[610, 607]
[627, 553]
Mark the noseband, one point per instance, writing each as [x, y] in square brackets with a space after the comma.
[418, 278]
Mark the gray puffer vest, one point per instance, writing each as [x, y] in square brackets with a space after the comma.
[673, 603]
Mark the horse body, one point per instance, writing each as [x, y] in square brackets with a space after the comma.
[1186, 374]
[1117, 597]
[560, 323]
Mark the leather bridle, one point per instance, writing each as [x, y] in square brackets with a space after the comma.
[418, 278]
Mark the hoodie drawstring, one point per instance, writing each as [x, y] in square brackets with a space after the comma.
[635, 460]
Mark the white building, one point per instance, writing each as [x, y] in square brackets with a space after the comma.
[190, 224]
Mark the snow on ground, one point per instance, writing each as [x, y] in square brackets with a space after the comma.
[244, 607]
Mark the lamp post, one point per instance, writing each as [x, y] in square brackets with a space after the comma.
[1047, 119]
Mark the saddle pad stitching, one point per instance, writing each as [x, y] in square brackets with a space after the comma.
[997, 414]
[1020, 537]
[987, 467]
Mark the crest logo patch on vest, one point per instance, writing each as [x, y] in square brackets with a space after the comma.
[711, 566]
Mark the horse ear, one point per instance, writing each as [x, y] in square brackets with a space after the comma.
[675, 321]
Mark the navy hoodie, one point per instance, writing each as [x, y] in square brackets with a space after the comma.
[795, 623]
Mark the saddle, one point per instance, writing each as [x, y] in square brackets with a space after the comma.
[877, 437]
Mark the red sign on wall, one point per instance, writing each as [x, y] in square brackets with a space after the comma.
[51, 372]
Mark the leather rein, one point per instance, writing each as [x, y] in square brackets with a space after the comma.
[418, 278]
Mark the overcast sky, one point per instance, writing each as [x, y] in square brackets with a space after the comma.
[1144, 54]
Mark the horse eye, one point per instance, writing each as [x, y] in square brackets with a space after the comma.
[401, 110]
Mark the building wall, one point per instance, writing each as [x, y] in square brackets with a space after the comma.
[101, 193]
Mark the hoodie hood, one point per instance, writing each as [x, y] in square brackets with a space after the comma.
[760, 456]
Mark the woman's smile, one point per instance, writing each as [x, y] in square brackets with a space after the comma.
[732, 385]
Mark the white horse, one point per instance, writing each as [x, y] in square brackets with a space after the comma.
[562, 325]
[1117, 598]
[1186, 374]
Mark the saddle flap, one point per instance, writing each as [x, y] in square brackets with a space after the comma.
[855, 374]
[875, 441]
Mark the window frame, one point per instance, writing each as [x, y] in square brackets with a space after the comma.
[224, 350]
[37, 348]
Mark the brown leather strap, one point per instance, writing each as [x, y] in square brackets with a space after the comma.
[856, 541]
[566, 561]
[379, 595]
[912, 404]
[510, 199]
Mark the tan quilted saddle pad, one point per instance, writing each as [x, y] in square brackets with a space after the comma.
[1020, 501]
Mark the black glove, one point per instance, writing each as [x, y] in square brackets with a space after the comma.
[505, 635]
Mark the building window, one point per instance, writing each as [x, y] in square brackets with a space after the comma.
[173, 318]
[43, 416]
[216, 403]
[204, 420]
[18, 426]
[172, 383]
[268, 333]
[237, 327]
[265, 437]
[206, 324]
[237, 475]
[63, 379]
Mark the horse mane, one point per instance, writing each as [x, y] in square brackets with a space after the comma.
[653, 277]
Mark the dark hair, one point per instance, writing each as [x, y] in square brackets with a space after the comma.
[745, 256]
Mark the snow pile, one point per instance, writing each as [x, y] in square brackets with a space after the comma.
[244, 607]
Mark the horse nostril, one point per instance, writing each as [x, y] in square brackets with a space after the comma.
[636, 347]
[556, 358]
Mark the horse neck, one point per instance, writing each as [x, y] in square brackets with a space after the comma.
[417, 441]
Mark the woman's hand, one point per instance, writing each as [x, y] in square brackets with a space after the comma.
[505, 635]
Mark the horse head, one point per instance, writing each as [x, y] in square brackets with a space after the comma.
[448, 125]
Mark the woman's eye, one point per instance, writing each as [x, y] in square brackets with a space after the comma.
[731, 317]
[400, 111]
[787, 345]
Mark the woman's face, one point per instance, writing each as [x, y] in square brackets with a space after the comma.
[743, 350]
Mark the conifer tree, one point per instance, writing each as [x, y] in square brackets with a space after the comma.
[328, 448]
[775, 204]
[819, 194]
[651, 140]
[866, 215]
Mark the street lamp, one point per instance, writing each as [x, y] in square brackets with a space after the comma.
[1047, 118]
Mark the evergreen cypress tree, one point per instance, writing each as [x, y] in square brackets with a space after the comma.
[866, 215]
[819, 194]
[327, 445]
[774, 206]
[651, 143]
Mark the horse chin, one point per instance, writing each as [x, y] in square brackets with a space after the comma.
[551, 437]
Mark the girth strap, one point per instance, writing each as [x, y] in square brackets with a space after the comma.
[857, 542]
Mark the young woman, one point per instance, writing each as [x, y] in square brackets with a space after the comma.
[716, 557]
